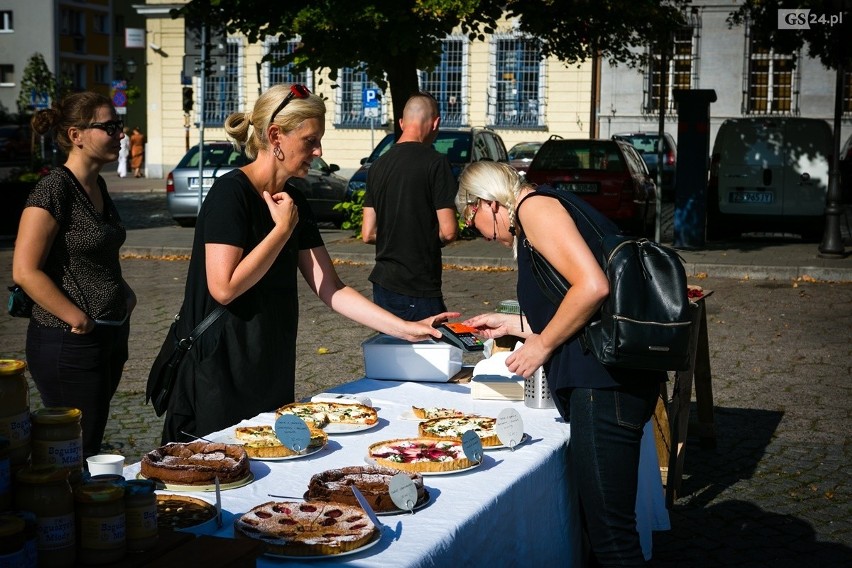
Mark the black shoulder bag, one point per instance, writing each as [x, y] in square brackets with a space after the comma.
[161, 378]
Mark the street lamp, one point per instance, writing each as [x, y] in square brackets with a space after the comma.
[125, 70]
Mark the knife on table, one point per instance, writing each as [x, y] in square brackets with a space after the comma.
[219, 523]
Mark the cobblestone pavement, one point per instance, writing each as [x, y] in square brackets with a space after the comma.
[774, 492]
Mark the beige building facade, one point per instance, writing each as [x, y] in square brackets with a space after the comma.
[497, 83]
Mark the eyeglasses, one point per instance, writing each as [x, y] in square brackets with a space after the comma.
[110, 127]
[297, 91]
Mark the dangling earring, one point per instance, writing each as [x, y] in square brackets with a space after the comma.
[279, 155]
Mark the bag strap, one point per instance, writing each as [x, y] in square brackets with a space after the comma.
[186, 344]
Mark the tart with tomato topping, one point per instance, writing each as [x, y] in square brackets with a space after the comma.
[423, 454]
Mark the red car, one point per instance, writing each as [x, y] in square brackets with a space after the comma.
[609, 174]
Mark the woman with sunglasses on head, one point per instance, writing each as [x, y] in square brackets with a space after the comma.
[66, 259]
[606, 407]
[253, 233]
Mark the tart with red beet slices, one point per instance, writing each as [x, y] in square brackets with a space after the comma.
[423, 454]
[310, 528]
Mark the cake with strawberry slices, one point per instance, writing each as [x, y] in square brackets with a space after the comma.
[422, 455]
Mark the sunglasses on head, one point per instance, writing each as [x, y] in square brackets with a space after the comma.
[110, 127]
[297, 91]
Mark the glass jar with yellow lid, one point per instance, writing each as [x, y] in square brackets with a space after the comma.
[140, 509]
[101, 523]
[57, 438]
[45, 492]
[15, 410]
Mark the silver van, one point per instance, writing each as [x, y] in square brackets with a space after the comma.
[769, 174]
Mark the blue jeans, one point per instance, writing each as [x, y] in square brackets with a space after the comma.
[79, 371]
[409, 308]
[606, 434]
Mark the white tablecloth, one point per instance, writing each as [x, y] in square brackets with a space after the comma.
[516, 508]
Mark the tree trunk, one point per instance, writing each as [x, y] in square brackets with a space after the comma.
[402, 79]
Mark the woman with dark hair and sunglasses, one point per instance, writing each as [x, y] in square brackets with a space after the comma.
[66, 259]
[252, 235]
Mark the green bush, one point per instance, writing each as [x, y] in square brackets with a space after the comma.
[353, 211]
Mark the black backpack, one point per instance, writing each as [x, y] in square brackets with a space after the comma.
[645, 322]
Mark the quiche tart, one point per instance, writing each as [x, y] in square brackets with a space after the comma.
[320, 414]
[435, 412]
[309, 528]
[261, 442]
[373, 482]
[454, 427]
[423, 454]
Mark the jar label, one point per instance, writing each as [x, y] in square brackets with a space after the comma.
[102, 533]
[141, 521]
[65, 453]
[16, 429]
[56, 532]
[5, 476]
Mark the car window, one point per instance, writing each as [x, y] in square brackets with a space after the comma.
[480, 149]
[579, 154]
[635, 160]
[384, 146]
[496, 150]
[214, 156]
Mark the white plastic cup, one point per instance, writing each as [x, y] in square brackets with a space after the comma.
[106, 464]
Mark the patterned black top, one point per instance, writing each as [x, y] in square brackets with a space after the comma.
[83, 260]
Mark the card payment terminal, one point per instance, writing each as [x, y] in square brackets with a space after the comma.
[462, 336]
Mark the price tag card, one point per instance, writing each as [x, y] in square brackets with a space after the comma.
[472, 446]
[292, 432]
[403, 493]
[510, 427]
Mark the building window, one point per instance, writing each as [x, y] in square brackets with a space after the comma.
[349, 107]
[680, 69]
[6, 21]
[847, 93]
[283, 74]
[100, 23]
[101, 73]
[7, 75]
[772, 82]
[75, 74]
[516, 94]
[223, 89]
[448, 82]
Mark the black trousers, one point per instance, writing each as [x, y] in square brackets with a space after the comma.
[79, 371]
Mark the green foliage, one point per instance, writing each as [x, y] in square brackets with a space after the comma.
[36, 77]
[354, 213]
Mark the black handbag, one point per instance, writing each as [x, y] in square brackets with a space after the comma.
[20, 304]
[161, 378]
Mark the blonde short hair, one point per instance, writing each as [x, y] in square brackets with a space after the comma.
[289, 118]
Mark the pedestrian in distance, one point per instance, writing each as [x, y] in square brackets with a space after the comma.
[607, 407]
[66, 259]
[254, 232]
[123, 153]
[409, 213]
[137, 151]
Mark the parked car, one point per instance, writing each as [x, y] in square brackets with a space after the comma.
[609, 174]
[522, 154]
[461, 145]
[769, 174]
[15, 143]
[845, 165]
[646, 144]
[323, 188]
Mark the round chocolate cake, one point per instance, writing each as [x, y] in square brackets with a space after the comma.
[196, 463]
[335, 485]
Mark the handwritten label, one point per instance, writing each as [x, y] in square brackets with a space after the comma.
[509, 427]
[292, 432]
[472, 446]
[403, 493]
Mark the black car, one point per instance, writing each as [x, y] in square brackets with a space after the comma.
[323, 188]
[461, 145]
[646, 144]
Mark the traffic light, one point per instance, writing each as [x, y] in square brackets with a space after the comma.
[187, 99]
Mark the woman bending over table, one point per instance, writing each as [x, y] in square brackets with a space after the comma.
[253, 233]
[606, 407]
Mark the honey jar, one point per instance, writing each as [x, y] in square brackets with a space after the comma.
[5, 477]
[57, 438]
[30, 538]
[140, 510]
[15, 410]
[101, 523]
[45, 492]
[11, 541]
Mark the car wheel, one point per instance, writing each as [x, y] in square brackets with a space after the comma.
[185, 221]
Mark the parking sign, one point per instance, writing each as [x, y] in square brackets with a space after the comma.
[371, 99]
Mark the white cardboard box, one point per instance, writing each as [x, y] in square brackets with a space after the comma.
[387, 357]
